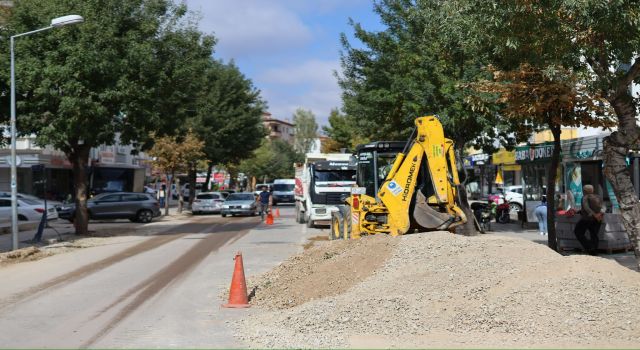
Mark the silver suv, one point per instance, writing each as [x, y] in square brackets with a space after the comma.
[137, 207]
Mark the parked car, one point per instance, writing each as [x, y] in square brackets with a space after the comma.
[243, 203]
[28, 209]
[137, 207]
[50, 203]
[207, 202]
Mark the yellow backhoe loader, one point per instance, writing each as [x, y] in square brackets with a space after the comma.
[402, 187]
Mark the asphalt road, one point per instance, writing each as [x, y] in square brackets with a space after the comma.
[151, 291]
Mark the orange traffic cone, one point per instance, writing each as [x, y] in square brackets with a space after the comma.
[238, 292]
[277, 212]
[269, 220]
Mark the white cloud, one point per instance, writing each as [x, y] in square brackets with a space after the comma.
[309, 85]
[250, 27]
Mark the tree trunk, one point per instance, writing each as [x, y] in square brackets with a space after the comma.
[180, 198]
[551, 188]
[168, 193]
[79, 159]
[616, 148]
[192, 185]
[207, 183]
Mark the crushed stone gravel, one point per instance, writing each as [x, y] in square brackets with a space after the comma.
[442, 290]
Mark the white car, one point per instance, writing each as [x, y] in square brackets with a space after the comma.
[28, 209]
[207, 202]
[513, 194]
[50, 203]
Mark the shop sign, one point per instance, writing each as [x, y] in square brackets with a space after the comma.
[504, 157]
[107, 158]
[479, 159]
[526, 154]
[584, 154]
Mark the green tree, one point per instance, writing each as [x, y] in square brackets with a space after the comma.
[410, 69]
[80, 86]
[598, 40]
[342, 132]
[306, 130]
[228, 116]
[273, 160]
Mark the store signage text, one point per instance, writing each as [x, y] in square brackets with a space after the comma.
[530, 154]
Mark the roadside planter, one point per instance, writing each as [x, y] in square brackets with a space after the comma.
[612, 235]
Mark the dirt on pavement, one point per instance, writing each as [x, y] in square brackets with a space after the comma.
[442, 290]
[324, 270]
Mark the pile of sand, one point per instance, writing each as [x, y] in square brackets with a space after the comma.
[441, 290]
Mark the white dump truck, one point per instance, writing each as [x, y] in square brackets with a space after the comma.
[321, 183]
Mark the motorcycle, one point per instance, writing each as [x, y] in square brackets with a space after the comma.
[483, 216]
[503, 210]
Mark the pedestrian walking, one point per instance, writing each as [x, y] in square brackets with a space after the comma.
[541, 215]
[162, 195]
[264, 201]
[591, 217]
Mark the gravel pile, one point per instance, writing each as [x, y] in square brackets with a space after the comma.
[442, 290]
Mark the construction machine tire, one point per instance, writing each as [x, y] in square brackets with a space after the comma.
[346, 233]
[337, 223]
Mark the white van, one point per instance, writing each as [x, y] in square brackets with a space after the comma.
[283, 191]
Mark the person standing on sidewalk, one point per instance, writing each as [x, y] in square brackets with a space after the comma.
[541, 215]
[162, 195]
[591, 219]
[264, 201]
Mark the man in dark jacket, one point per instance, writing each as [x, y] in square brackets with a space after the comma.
[591, 219]
[264, 201]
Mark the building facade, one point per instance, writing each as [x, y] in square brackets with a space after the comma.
[278, 129]
[110, 168]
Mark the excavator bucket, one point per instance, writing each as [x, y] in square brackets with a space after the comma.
[429, 218]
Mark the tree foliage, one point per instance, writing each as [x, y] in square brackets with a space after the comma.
[343, 133]
[228, 115]
[598, 40]
[273, 160]
[410, 69]
[306, 130]
[173, 154]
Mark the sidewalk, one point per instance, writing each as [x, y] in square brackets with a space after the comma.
[197, 298]
[530, 232]
[62, 230]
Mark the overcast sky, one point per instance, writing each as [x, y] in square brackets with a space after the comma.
[288, 48]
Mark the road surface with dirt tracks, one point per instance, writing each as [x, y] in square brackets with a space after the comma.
[125, 293]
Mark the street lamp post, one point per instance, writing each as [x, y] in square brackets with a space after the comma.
[55, 23]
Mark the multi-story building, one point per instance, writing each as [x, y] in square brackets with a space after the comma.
[110, 168]
[278, 129]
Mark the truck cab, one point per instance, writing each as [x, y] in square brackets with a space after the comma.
[321, 185]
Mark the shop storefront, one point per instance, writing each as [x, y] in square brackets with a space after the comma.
[505, 164]
[583, 165]
[481, 175]
[535, 161]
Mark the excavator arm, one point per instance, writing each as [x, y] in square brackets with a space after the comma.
[432, 204]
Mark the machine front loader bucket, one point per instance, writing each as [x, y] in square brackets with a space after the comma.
[429, 218]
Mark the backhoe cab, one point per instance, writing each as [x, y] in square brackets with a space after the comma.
[402, 186]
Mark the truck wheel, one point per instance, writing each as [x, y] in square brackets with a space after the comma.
[347, 222]
[336, 226]
[310, 223]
